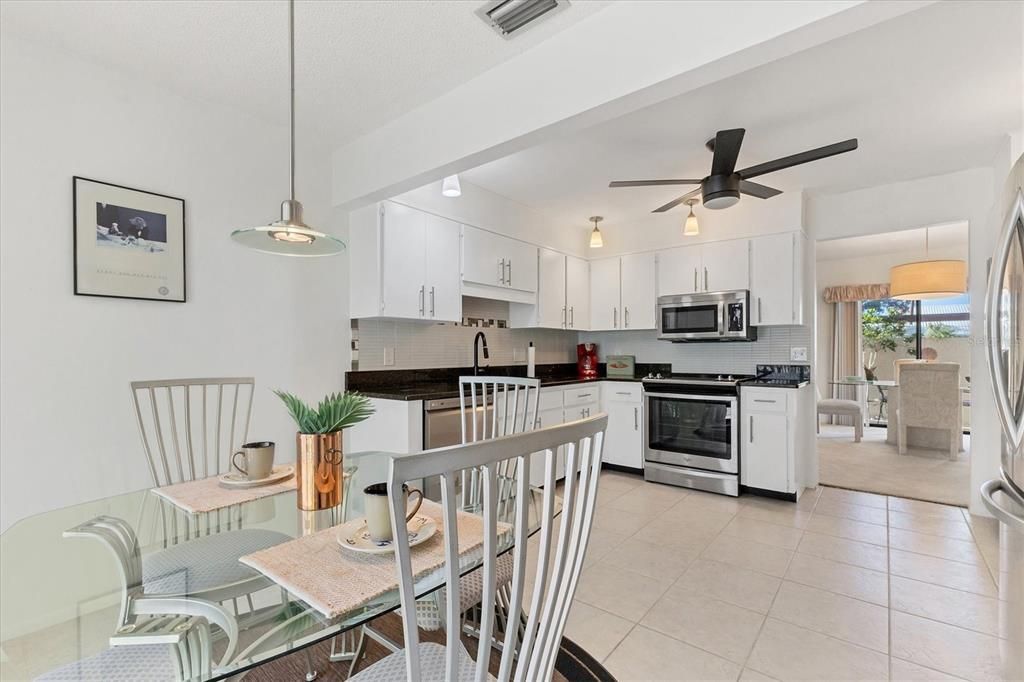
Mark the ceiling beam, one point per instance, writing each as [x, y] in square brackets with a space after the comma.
[624, 58]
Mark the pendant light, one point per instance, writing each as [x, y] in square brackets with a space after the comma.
[289, 236]
[451, 187]
[690, 227]
[928, 278]
[596, 241]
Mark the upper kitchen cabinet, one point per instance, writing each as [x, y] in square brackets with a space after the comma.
[622, 292]
[404, 263]
[577, 293]
[776, 279]
[639, 296]
[498, 267]
[563, 294]
[713, 266]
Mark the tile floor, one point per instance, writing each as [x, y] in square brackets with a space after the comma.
[842, 585]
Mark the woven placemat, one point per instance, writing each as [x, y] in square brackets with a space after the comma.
[206, 494]
[335, 582]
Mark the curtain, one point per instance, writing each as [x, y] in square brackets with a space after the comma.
[846, 353]
[848, 293]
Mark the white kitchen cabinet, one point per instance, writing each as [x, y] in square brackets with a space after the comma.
[623, 440]
[497, 262]
[443, 291]
[638, 291]
[773, 453]
[404, 264]
[725, 266]
[776, 279]
[551, 290]
[712, 266]
[577, 293]
[604, 294]
[679, 271]
[403, 269]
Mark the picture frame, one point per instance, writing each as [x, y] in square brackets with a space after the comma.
[128, 243]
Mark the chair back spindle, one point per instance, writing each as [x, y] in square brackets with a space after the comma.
[563, 542]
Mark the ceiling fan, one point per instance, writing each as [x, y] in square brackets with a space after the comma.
[722, 188]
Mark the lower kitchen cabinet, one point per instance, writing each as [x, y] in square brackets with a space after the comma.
[773, 453]
[624, 439]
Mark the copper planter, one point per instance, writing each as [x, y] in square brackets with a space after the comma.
[318, 470]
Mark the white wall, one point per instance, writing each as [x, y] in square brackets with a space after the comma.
[67, 431]
[483, 208]
[962, 196]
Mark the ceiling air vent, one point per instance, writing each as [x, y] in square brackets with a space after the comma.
[510, 16]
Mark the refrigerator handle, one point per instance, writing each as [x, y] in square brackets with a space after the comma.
[988, 490]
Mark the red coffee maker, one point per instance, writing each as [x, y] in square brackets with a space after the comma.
[586, 361]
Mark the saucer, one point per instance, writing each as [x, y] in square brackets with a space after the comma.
[235, 479]
[354, 536]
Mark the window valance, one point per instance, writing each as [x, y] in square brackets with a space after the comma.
[846, 293]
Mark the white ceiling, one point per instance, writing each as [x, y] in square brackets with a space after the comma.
[948, 239]
[930, 92]
[359, 63]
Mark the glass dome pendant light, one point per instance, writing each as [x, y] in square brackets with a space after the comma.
[289, 236]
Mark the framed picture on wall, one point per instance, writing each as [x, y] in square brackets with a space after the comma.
[128, 243]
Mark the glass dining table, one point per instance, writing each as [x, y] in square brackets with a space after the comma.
[62, 596]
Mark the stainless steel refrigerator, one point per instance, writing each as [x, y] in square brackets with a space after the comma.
[1004, 496]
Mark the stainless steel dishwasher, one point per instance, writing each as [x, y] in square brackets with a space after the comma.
[442, 426]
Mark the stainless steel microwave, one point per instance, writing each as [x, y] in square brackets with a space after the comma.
[712, 316]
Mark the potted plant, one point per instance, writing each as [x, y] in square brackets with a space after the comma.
[318, 470]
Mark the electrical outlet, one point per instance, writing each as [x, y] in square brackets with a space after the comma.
[389, 356]
[798, 354]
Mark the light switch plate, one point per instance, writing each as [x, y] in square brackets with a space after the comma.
[798, 354]
[389, 356]
[518, 355]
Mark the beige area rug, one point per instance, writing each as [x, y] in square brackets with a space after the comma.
[875, 466]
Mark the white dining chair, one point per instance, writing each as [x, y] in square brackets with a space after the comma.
[527, 653]
[164, 638]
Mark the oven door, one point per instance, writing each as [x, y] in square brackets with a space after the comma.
[698, 431]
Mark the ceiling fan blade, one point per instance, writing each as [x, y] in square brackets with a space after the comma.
[727, 151]
[675, 202]
[759, 191]
[797, 159]
[651, 183]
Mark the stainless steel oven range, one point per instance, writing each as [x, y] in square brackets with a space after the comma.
[691, 431]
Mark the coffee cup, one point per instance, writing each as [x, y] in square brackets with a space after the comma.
[257, 460]
[378, 509]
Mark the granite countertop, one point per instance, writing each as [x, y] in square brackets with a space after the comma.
[440, 383]
[439, 391]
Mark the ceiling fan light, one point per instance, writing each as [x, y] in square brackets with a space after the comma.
[721, 200]
[451, 187]
[928, 279]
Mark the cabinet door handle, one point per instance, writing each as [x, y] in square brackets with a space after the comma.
[564, 318]
[501, 270]
[508, 280]
[636, 418]
[421, 301]
[751, 434]
[762, 400]
[583, 395]
[623, 393]
[705, 279]
[615, 318]
[432, 302]
[760, 316]
[625, 316]
[572, 316]
[695, 279]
